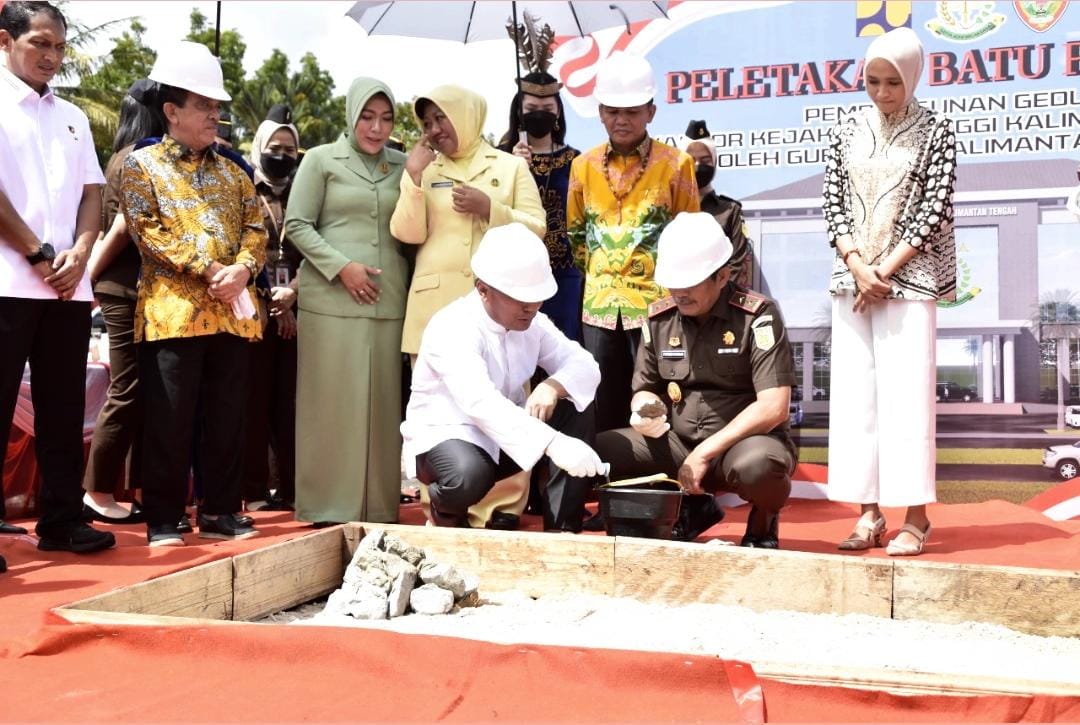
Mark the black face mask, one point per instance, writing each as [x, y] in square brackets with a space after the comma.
[538, 123]
[704, 174]
[278, 166]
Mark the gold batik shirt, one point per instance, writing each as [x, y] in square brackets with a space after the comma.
[616, 208]
[185, 211]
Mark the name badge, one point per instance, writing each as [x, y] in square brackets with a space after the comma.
[727, 350]
[282, 277]
[673, 354]
[442, 184]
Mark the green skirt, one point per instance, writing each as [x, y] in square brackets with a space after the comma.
[348, 415]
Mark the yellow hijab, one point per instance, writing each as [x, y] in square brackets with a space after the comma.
[467, 112]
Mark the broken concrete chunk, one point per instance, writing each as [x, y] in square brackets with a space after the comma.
[412, 554]
[431, 599]
[373, 539]
[400, 591]
[443, 575]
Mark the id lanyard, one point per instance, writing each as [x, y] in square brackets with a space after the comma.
[282, 274]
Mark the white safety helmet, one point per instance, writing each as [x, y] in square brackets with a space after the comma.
[515, 261]
[190, 66]
[692, 246]
[624, 81]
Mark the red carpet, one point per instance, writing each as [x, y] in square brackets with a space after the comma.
[54, 671]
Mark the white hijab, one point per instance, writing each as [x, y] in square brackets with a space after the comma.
[902, 48]
[259, 143]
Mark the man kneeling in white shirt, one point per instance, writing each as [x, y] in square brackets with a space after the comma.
[469, 423]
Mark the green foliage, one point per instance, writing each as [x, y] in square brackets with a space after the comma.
[406, 129]
[97, 85]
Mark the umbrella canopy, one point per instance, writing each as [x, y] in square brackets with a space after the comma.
[469, 22]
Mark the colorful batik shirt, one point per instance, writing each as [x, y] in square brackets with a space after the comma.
[614, 242]
[185, 211]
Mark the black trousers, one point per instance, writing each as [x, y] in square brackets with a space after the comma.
[271, 420]
[54, 336]
[614, 351]
[120, 419]
[177, 376]
[459, 474]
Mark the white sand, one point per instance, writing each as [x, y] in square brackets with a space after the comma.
[739, 633]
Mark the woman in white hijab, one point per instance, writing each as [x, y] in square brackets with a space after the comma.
[888, 206]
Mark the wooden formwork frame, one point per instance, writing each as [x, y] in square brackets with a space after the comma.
[251, 585]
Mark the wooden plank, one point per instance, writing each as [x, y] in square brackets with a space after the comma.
[911, 683]
[88, 616]
[681, 573]
[287, 574]
[203, 591]
[533, 562]
[1037, 601]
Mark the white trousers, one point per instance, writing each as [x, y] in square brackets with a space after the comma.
[882, 414]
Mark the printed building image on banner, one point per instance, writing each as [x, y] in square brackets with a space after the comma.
[770, 79]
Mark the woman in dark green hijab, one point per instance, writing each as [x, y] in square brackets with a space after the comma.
[353, 284]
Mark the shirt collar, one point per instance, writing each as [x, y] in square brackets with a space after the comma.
[642, 149]
[177, 151]
[18, 89]
[487, 324]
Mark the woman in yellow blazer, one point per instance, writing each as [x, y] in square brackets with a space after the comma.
[455, 186]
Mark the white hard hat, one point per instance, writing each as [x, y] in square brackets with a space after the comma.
[692, 246]
[624, 81]
[515, 261]
[190, 66]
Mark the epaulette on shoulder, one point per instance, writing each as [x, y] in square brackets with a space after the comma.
[662, 305]
[746, 300]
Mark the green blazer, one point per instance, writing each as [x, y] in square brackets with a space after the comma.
[339, 212]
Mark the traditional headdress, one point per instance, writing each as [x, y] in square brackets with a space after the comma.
[534, 52]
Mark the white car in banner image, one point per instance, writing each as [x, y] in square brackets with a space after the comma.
[1065, 459]
[795, 414]
[1072, 416]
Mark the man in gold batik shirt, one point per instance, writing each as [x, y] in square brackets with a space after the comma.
[622, 194]
[197, 224]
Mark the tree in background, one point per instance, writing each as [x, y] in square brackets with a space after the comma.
[405, 128]
[97, 85]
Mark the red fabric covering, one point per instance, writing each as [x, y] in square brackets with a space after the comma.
[249, 673]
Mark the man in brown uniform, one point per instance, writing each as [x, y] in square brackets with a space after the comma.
[719, 356]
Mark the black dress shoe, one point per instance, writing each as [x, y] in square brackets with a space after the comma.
[184, 527]
[697, 515]
[80, 539]
[502, 521]
[135, 517]
[325, 524]
[593, 523]
[762, 530]
[244, 519]
[6, 528]
[454, 521]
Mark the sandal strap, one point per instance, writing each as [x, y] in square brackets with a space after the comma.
[915, 531]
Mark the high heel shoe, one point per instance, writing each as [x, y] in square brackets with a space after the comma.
[864, 536]
[897, 549]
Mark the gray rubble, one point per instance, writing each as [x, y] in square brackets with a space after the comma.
[381, 582]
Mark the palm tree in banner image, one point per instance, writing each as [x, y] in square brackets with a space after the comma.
[1057, 319]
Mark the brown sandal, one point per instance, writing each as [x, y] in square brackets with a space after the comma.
[864, 537]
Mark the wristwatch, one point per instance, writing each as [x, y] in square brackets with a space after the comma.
[44, 253]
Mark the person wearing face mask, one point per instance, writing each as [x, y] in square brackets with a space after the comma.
[271, 419]
[352, 289]
[456, 186]
[537, 133]
[889, 179]
[698, 143]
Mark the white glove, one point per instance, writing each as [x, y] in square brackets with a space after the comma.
[574, 456]
[649, 427]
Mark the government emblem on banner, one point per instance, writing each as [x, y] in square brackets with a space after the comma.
[881, 16]
[1040, 15]
[963, 21]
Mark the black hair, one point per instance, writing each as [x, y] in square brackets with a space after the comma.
[137, 121]
[558, 134]
[15, 15]
[171, 94]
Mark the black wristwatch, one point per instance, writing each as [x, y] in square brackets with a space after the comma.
[45, 253]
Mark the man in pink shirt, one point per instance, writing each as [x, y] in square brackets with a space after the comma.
[50, 214]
